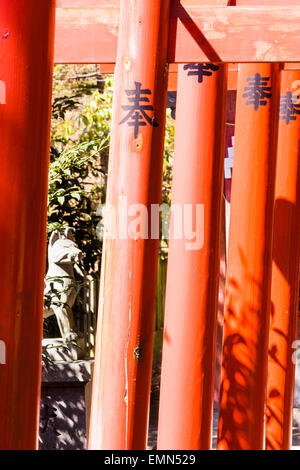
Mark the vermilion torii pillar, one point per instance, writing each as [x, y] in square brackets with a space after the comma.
[187, 381]
[26, 59]
[248, 284]
[285, 273]
[122, 374]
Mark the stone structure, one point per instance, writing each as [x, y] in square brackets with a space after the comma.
[64, 406]
[60, 281]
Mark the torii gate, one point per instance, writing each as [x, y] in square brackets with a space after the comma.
[151, 35]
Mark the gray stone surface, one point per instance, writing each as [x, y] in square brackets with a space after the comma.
[60, 372]
[60, 282]
[63, 406]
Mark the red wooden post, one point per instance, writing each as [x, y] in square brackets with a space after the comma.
[26, 51]
[194, 260]
[285, 273]
[122, 374]
[247, 303]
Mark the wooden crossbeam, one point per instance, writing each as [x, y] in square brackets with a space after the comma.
[198, 34]
[185, 3]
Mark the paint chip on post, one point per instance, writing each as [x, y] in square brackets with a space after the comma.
[2, 92]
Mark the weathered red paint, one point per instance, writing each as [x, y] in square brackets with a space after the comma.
[285, 277]
[248, 284]
[185, 3]
[187, 380]
[248, 33]
[122, 373]
[26, 51]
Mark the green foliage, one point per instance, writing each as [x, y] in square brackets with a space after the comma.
[97, 114]
[78, 168]
[168, 158]
[72, 200]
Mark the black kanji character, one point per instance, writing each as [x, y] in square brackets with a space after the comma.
[289, 107]
[257, 91]
[137, 115]
[200, 70]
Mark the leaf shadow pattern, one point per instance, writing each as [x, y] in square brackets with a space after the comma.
[282, 327]
[245, 340]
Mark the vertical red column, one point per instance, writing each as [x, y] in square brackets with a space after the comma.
[122, 374]
[194, 259]
[285, 273]
[26, 51]
[248, 284]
